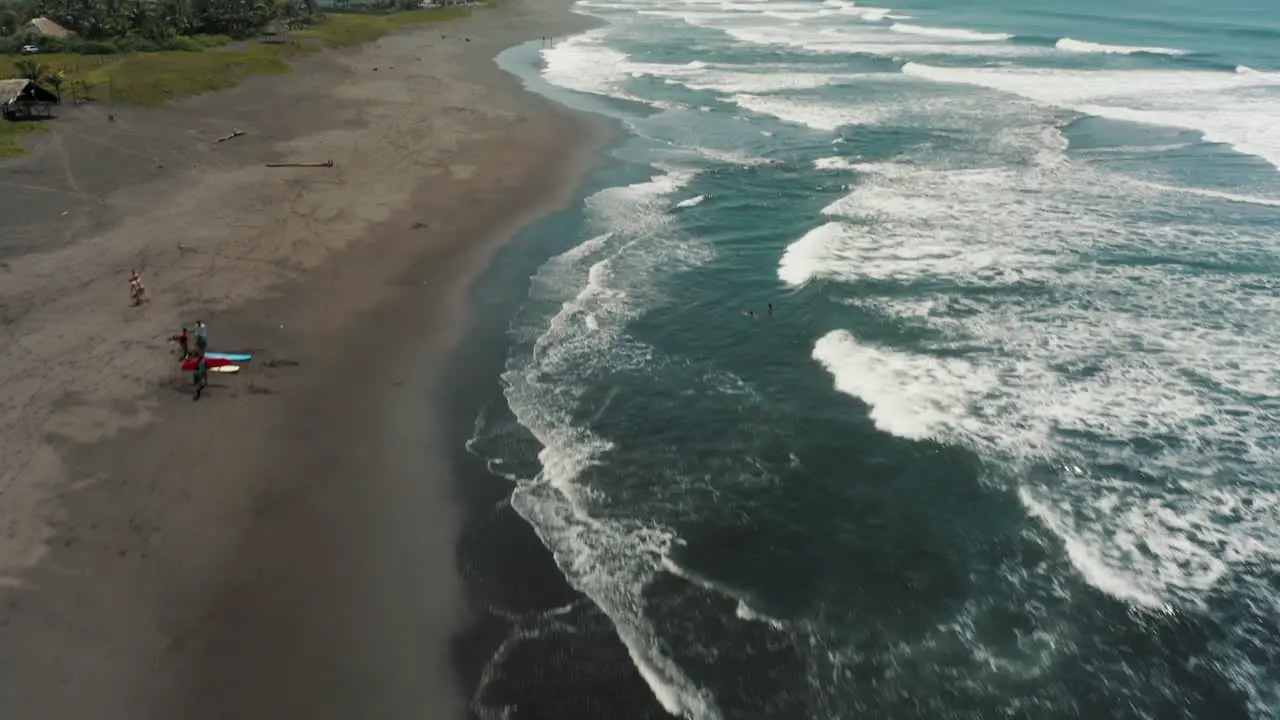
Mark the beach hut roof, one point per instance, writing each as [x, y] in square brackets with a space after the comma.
[11, 89]
[14, 89]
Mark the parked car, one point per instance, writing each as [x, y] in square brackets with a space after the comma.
[30, 49]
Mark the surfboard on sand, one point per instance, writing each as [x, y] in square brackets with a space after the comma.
[213, 363]
[233, 357]
[225, 369]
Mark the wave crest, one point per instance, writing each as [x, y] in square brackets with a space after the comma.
[1083, 46]
[949, 33]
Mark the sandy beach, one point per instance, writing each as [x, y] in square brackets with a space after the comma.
[284, 547]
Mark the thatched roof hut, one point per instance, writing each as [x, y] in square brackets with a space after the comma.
[22, 98]
[46, 27]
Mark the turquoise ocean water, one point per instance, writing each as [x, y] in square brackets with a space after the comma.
[1009, 443]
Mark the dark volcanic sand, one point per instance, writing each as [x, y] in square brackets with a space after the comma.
[285, 546]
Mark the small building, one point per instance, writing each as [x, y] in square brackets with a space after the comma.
[45, 27]
[22, 99]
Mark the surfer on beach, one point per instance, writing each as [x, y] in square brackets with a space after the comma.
[202, 337]
[200, 376]
[183, 340]
[136, 291]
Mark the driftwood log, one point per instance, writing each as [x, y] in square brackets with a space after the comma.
[326, 163]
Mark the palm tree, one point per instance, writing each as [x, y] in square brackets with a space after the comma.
[8, 21]
[30, 69]
[56, 79]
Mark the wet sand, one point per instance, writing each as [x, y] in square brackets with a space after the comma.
[284, 547]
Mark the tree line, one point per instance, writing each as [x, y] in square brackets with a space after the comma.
[153, 22]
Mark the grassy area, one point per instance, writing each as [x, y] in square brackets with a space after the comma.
[9, 134]
[341, 29]
[158, 78]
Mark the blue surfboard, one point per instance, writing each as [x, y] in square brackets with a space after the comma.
[233, 357]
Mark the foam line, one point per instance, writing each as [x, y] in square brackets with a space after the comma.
[949, 33]
[1222, 106]
[589, 293]
[1081, 46]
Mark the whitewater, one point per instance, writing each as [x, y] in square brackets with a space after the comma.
[920, 361]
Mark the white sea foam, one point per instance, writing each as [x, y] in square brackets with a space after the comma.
[785, 14]
[1210, 193]
[949, 33]
[1123, 361]
[1092, 365]
[1238, 109]
[713, 14]
[936, 391]
[591, 292]
[869, 14]
[746, 612]
[834, 163]
[1081, 46]
[733, 157]
[870, 41]
[585, 63]
[1086, 557]
[756, 81]
[820, 251]
[691, 202]
[817, 115]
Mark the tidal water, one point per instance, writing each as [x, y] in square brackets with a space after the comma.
[1008, 444]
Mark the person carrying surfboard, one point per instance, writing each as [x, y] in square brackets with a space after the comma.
[200, 376]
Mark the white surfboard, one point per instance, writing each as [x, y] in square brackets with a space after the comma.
[225, 369]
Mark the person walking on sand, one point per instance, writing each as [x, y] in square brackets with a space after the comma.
[200, 376]
[183, 340]
[202, 337]
[137, 292]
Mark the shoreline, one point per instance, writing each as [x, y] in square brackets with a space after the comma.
[535, 647]
[217, 558]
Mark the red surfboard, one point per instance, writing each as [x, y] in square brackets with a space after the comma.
[190, 363]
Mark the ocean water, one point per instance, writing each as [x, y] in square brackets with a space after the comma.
[1008, 444]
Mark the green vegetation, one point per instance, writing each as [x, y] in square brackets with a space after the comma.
[9, 134]
[341, 29]
[164, 66]
[104, 26]
[157, 78]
